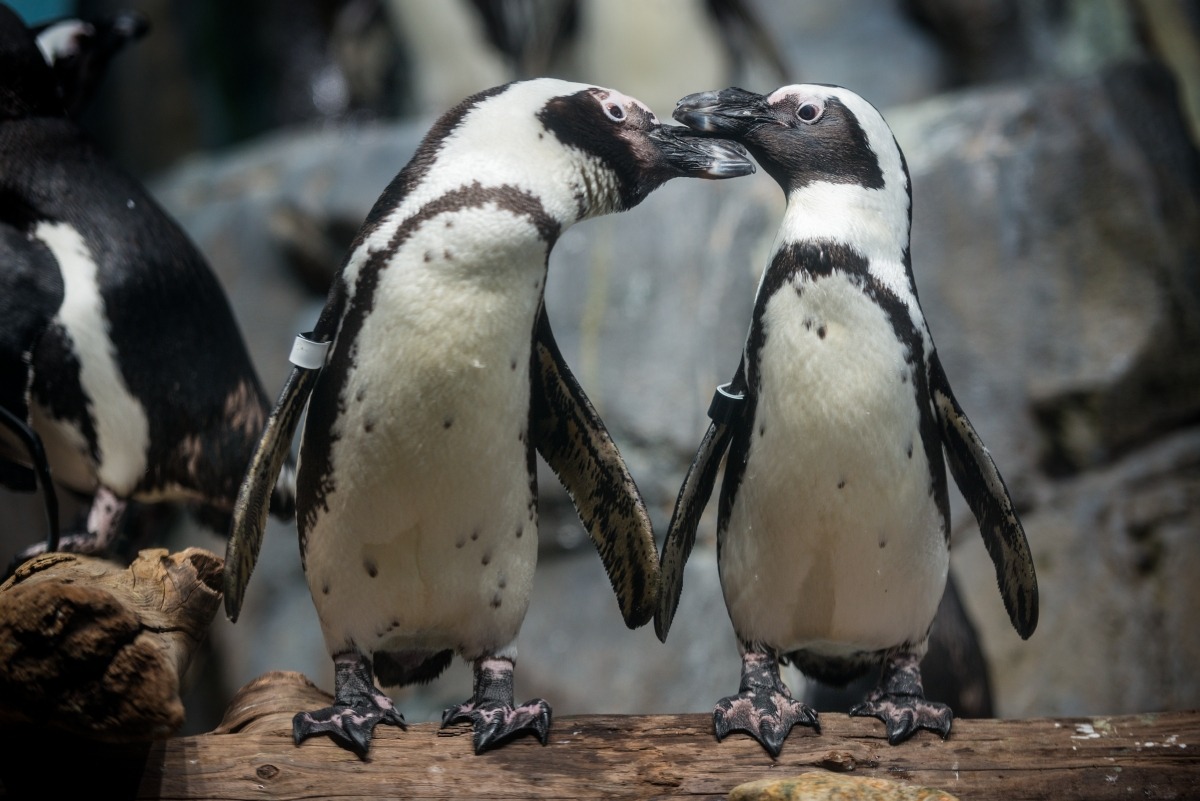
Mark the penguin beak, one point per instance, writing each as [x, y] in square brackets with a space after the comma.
[729, 112]
[688, 153]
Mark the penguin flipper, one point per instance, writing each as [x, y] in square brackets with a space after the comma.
[254, 495]
[726, 410]
[987, 495]
[571, 437]
[681, 534]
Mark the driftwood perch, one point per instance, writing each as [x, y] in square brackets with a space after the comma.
[251, 755]
[89, 648]
[90, 657]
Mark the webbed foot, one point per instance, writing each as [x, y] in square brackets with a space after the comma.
[491, 711]
[764, 707]
[103, 525]
[899, 701]
[358, 707]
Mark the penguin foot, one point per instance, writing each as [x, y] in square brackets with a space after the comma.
[899, 701]
[358, 707]
[764, 707]
[491, 710]
[103, 525]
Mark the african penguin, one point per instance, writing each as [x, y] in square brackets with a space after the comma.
[118, 348]
[833, 520]
[416, 491]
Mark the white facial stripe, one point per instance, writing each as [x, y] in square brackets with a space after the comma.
[62, 39]
[122, 430]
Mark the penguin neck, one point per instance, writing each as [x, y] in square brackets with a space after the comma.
[874, 223]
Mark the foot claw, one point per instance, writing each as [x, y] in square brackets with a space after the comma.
[358, 707]
[763, 707]
[766, 716]
[899, 701]
[349, 726]
[496, 723]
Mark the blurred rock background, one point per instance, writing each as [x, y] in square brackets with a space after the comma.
[1056, 243]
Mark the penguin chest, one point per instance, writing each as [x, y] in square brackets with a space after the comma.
[835, 541]
[427, 535]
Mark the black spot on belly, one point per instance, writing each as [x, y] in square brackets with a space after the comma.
[474, 535]
[447, 422]
[821, 332]
[461, 542]
[428, 256]
[449, 224]
[503, 582]
[512, 365]
[521, 435]
[520, 531]
[487, 558]
[368, 425]
[360, 393]
[841, 483]
[447, 255]
[496, 601]
[762, 429]
[910, 449]
[325, 588]
[372, 570]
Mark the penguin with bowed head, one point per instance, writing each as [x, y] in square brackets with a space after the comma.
[120, 359]
[416, 488]
[833, 526]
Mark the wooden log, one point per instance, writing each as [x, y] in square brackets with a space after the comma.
[93, 649]
[251, 756]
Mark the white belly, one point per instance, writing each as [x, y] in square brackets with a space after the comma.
[834, 543]
[430, 537]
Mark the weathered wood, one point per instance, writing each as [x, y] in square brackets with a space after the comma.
[251, 756]
[94, 649]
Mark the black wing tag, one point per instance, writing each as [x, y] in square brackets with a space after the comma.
[725, 410]
[254, 495]
[572, 439]
[987, 495]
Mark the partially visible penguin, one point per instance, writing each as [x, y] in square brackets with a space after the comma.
[833, 522]
[117, 345]
[416, 491]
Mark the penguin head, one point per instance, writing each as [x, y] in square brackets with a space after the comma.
[805, 134]
[622, 135]
[79, 51]
[580, 150]
[27, 85]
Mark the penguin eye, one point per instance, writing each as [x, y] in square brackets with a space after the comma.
[614, 112]
[810, 111]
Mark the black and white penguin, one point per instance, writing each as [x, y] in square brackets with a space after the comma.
[833, 522]
[416, 490]
[118, 348]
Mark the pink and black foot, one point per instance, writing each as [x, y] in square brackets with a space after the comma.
[764, 707]
[491, 709]
[899, 701]
[358, 707]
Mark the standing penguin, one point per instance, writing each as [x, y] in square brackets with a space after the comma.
[833, 527]
[416, 490]
[118, 348]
